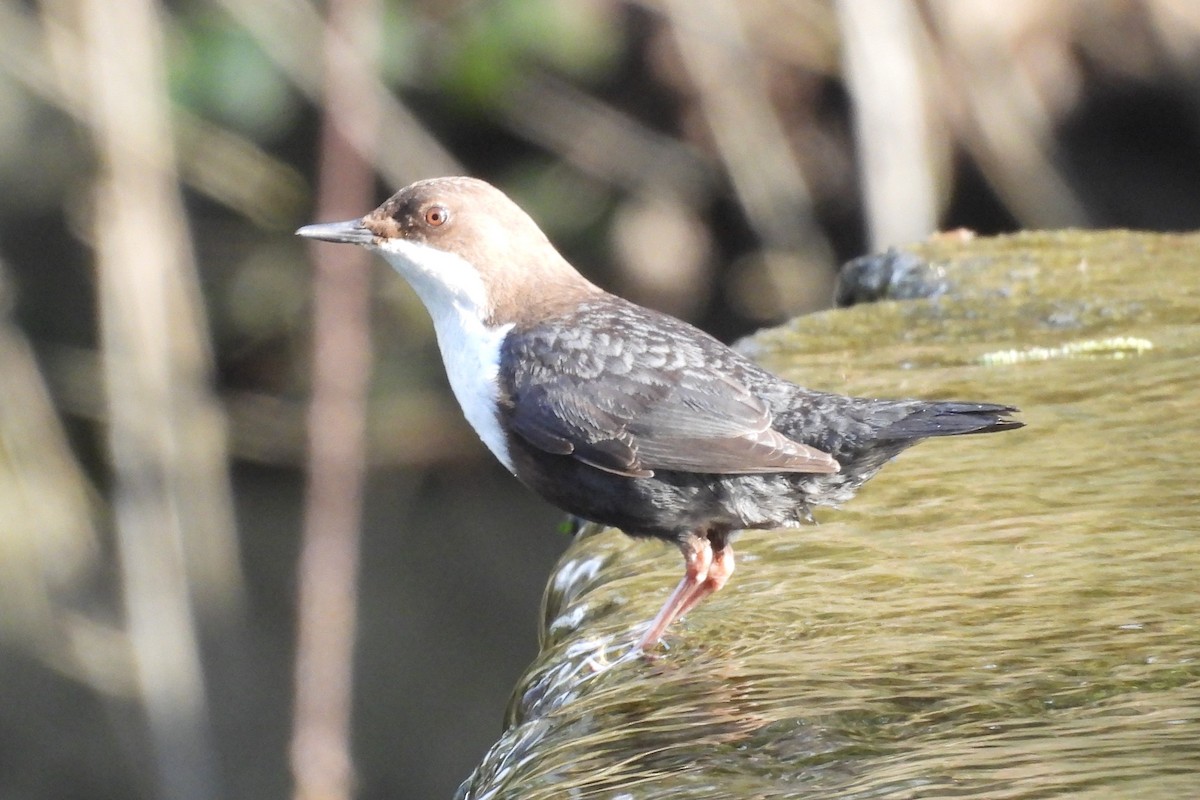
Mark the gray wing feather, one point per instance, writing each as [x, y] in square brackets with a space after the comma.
[688, 415]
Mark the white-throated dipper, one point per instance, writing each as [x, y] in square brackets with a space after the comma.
[620, 414]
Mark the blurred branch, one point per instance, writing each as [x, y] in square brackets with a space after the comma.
[1004, 123]
[321, 758]
[891, 127]
[215, 161]
[171, 495]
[1177, 24]
[410, 428]
[237, 173]
[400, 148]
[749, 136]
[601, 142]
[47, 539]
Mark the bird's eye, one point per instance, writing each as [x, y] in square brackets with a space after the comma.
[436, 216]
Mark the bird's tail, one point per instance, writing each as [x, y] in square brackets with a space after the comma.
[950, 419]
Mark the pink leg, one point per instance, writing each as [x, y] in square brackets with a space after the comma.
[697, 557]
[718, 575]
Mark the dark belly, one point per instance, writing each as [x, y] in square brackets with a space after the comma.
[670, 503]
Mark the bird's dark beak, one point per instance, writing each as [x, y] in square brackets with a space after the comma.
[348, 232]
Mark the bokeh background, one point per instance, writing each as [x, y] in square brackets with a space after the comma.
[158, 319]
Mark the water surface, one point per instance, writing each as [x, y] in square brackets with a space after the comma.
[1006, 616]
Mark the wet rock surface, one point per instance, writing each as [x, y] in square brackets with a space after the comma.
[1005, 616]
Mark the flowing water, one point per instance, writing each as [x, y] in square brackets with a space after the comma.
[1006, 616]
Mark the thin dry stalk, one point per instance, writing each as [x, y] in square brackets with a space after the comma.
[171, 498]
[322, 763]
[404, 146]
[751, 140]
[47, 533]
[881, 60]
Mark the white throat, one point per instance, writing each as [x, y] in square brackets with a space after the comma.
[454, 295]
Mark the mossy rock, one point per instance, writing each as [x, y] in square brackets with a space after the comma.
[1014, 615]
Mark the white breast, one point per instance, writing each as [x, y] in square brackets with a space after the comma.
[453, 293]
[472, 359]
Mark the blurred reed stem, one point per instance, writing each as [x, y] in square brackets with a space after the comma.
[882, 64]
[171, 495]
[321, 758]
[398, 145]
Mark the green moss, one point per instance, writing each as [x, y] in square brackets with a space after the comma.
[1015, 612]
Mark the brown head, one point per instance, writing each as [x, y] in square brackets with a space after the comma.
[463, 242]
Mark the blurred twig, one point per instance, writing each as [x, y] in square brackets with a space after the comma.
[750, 138]
[410, 428]
[47, 537]
[604, 143]
[898, 176]
[215, 161]
[1004, 122]
[171, 495]
[322, 765]
[748, 134]
[405, 149]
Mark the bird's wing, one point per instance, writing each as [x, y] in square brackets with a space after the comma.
[631, 397]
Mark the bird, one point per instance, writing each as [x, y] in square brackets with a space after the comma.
[620, 414]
